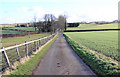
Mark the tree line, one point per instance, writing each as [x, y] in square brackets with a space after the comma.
[50, 23]
[73, 24]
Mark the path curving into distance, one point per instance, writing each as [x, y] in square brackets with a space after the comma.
[62, 60]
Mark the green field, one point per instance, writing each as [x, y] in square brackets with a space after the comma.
[94, 26]
[17, 40]
[7, 25]
[19, 28]
[9, 31]
[105, 42]
[23, 28]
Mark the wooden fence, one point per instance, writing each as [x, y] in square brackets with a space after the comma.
[10, 55]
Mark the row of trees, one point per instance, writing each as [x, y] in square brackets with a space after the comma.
[73, 24]
[50, 23]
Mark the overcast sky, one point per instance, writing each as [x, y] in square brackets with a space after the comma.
[21, 11]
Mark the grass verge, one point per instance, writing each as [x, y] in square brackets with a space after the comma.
[99, 65]
[27, 67]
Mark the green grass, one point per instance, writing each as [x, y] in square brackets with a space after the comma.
[9, 31]
[19, 28]
[23, 28]
[7, 25]
[27, 67]
[100, 65]
[105, 42]
[18, 40]
[94, 26]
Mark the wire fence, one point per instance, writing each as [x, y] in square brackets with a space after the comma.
[13, 54]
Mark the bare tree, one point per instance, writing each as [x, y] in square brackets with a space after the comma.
[61, 22]
[51, 23]
[65, 17]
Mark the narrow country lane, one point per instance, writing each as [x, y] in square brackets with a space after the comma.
[61, 60]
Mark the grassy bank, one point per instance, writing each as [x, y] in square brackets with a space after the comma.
[18, 40]
[100, 65]
[27, 67]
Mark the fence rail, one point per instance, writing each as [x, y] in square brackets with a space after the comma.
[12, 54]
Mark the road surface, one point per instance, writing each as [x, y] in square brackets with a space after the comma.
[61, 60]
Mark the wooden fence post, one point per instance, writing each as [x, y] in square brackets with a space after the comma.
[34, 45]
[44, 40]
[50, 37]
[6, 57]
[47, 38]
[39, 43]
[31, 47]
[18, 53]
[26, 49]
